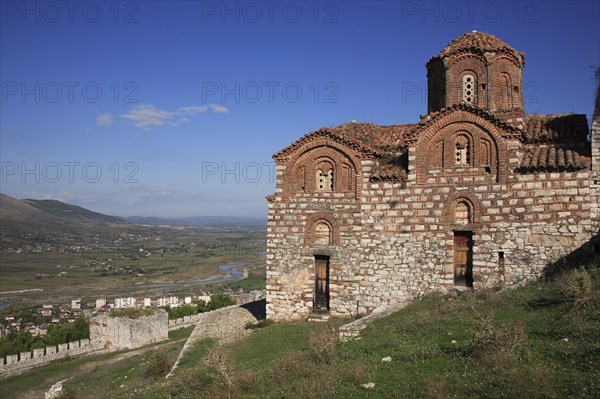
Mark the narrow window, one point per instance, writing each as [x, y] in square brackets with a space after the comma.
[505, 94]
[437, 155]
[485, 152]
[325, 180]
[301, 179]
[322, 234]
[462, 150]
[469, 85]
[462, 213]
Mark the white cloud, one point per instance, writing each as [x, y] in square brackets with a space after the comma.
[218, 109]
[193, 110]
[104, 120]
[147, 116]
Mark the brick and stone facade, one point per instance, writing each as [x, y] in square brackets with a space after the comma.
[476, 194]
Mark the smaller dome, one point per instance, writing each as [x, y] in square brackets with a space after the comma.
[475, 40]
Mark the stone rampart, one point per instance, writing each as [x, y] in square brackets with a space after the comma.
[225, 325]
[15, 364]
[352, 330]
[116, 333]
[182, 322]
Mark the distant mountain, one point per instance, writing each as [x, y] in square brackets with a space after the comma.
[51, 216]
[200, 221]
[71, 212]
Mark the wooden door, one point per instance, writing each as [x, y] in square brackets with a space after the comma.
[321, 301]
[463, 258]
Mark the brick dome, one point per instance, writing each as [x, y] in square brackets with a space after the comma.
[475, 41]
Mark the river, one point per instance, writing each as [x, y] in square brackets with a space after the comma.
[232, 271]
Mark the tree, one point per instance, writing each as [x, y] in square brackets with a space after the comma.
[220, 300]
[180, 311]
[202, 306]
[80, 328]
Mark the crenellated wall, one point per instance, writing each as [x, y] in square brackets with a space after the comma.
[184, 321]
[16, 364]
[116, 333]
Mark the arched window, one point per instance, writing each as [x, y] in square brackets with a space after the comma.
[469, 86]
[322, 234]
[485, 152]
[437, 160]
[325, 175]
[463, 148]
[300, 180]
[463, 212]
[506, 93]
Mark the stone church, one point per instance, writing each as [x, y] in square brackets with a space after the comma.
[475, 194]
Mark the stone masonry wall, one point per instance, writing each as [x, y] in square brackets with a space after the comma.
[117, 333]
[396, 241]
[184, 321]
[16, 364]
[595, 175]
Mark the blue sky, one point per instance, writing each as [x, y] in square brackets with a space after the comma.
[174, 108]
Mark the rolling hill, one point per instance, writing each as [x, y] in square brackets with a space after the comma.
[45, 217]
[51, 216]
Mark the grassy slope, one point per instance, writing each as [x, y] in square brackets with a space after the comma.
[93, 376]
[534, 342]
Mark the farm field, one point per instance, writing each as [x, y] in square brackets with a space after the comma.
[118, 265]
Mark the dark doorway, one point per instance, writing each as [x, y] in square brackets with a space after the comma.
[463, 258]
[321, 301]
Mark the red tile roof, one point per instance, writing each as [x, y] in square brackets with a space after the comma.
[379, 138]
[475, 40]
[551, 142]
[554, 158]
[556, 128]
[479, 42]
[389, 171]
[363, 137]
[428, 119]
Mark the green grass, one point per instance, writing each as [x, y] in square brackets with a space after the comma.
[536, 341]
[248, 284]
[182, 333]
[40, 379]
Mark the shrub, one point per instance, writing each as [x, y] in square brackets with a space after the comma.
[489, 339]
[158, 366]
[321, 344]
[190, 381]
[578, 286]
[292, 366]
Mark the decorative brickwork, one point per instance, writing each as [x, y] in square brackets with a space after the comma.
[368, 216]
[321, 229]
[480, 70]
